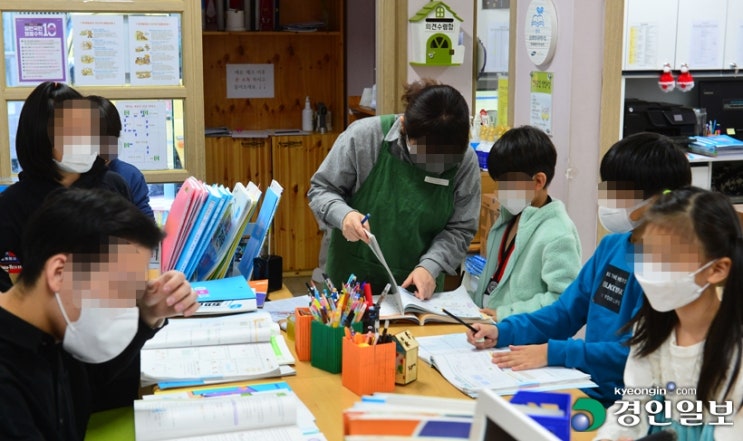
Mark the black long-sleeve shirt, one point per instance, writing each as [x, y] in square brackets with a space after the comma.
[45, 393]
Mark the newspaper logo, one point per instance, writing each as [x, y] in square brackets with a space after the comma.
[589, 415]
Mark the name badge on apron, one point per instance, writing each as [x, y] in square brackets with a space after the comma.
[436, 181]
[491, 287]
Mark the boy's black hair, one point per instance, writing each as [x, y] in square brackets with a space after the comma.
[649, 162]
[82, 222]
[524, 149]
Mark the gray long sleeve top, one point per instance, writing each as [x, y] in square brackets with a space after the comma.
[350, 162]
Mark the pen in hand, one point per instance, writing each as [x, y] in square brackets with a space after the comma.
[470, 327]
[366, 218]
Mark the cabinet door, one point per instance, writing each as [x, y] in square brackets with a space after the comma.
[296, 236]
[230, 160]
[700, 38]
[649, 34]
[733, 57]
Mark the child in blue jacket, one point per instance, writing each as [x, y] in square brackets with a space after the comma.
[605, 295]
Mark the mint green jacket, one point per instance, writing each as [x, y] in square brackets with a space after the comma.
[546, 258]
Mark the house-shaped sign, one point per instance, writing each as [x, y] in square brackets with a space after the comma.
[435, 36]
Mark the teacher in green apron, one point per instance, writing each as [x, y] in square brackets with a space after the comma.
[417, 178]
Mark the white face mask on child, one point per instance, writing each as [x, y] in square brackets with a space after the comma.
[99, 334]
[668, 290]
[617, 220]
[515, 201]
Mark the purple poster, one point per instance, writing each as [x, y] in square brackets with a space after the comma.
[41, 49]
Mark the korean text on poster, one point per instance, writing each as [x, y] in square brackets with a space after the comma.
[541, 101]
[144, 139]
[41, 49]
[250, 81]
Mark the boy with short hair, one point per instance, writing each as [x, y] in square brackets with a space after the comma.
[533, 249]
[605, 295]
[80, 312]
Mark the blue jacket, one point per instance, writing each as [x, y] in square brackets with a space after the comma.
[604, 297]
[137, 184]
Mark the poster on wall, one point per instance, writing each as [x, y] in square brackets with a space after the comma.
[144, 140]
[541, 101]
[98, 50]
[41, 50]
[250, 81]
[154, 54]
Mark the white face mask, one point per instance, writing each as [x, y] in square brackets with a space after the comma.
[668, 290]
[515, 201]
[617, 220]
[100, 334]
[78, 155]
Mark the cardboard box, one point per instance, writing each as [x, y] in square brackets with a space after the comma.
[406, 357]
[489, 211]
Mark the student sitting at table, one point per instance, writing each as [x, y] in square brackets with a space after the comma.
[533, 249]
[606, 295]
[81, 310]
[686, 348]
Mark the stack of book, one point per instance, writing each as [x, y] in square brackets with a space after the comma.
[206, 223]
[197, 351]
[233, 412]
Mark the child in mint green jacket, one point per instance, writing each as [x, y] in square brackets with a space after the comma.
[533, 249]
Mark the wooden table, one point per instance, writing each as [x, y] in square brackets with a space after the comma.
[323, 392]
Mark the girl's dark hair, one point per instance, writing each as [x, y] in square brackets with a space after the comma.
[438, 113]
[712, 220]
[524, 149]
[649, 162]
[34, 140]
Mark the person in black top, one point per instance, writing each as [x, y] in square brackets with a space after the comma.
[56, 144]
[80, 311]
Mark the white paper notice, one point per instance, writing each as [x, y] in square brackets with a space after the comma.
[496, 59]
[154, 54]
[250, 81]
[642, 45]
[541, 101]
[99, 50]
[704, 50]
[144, 140]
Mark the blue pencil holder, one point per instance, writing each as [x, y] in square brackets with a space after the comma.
[558, 425]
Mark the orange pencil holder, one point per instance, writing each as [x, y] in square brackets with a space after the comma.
[368, 369]
[326, 349]
[303, 333]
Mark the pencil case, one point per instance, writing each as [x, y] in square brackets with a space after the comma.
[325, 348]
[302, 333]
[369, 368]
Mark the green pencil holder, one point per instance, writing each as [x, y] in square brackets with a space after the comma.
[326, 349]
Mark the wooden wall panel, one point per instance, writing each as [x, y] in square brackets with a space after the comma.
[296, 234]
[231, 160]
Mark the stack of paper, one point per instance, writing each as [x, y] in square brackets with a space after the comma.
[216, 350]
[471, 370]
[238, 412]
[204, 226]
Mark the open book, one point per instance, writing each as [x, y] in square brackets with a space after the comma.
[276, 415]
[471, 370]
[406, 306]
[216, 350]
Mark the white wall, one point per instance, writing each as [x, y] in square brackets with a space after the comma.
[576, 101]
[459, 77]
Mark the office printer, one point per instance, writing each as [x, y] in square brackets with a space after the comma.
[665, 118]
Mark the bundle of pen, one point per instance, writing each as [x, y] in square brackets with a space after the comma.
[368, 361]
[351, 305]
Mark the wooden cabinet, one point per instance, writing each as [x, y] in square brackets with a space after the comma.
[290, 160]
[704, 34]
[305, 64]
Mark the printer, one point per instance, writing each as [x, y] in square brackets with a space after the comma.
[665, 118]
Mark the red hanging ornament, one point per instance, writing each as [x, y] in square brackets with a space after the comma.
[666, 82]
[685, 81]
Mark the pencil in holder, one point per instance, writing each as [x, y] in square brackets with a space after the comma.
[368, 368]
[325, 348]
[302, 333]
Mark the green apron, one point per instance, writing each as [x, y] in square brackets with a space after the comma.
[408, 210]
